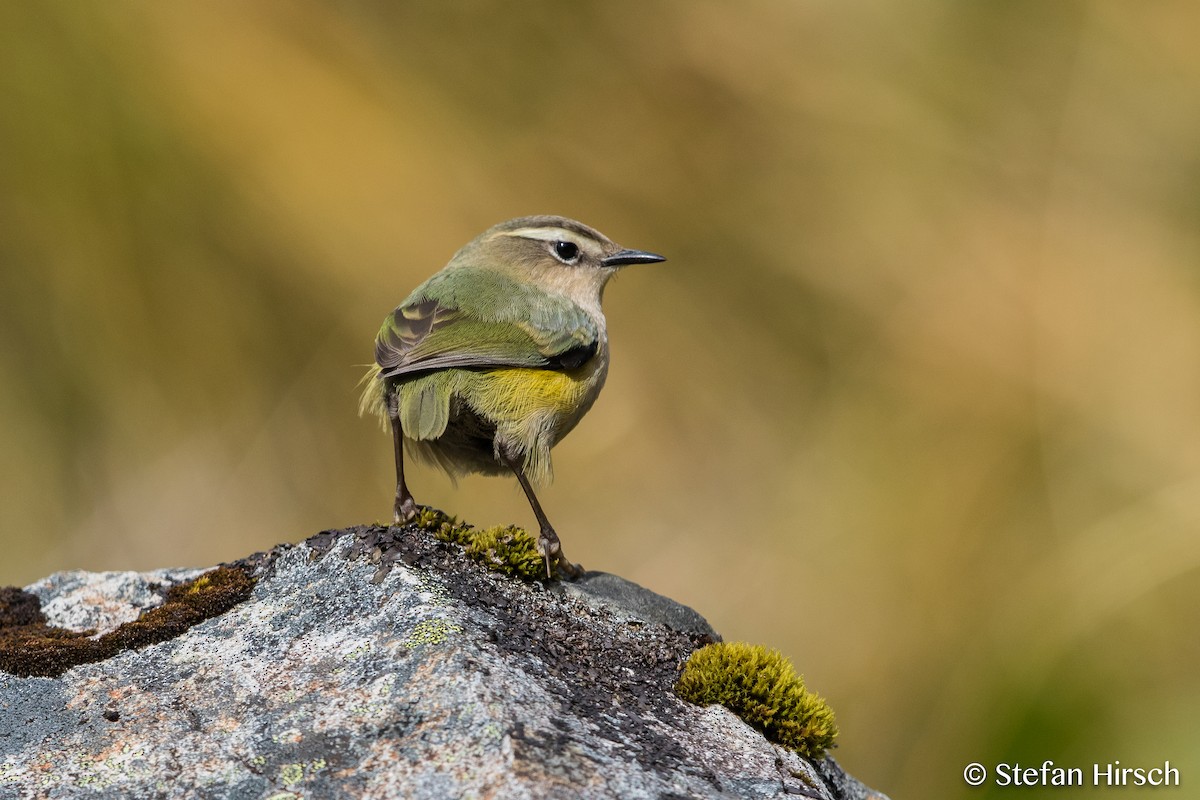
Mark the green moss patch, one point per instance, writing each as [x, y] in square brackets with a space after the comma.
[504, 548]
[28, 646]
[760, 686]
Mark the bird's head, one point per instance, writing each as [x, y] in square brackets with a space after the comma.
[556, 254]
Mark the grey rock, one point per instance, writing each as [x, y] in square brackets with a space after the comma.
[378, 663]
[629, 601]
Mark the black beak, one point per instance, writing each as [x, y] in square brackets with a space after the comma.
[623, 257]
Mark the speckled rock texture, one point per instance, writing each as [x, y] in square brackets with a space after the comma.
[378, 663]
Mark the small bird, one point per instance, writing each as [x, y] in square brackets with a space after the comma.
[493, 360]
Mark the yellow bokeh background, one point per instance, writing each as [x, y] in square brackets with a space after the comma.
[916, 398]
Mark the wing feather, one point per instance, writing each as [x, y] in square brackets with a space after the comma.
[483, 330]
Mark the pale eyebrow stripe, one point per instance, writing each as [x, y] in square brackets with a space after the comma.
[547, 234]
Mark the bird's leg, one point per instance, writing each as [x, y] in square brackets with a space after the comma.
[405, 507]
[548, 542]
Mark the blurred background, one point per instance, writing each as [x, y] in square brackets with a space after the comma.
[916, 398]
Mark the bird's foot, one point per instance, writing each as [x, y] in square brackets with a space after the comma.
[405, 510]
[550, 547]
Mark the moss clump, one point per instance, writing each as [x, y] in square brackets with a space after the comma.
[504, 548]
[760, 686]
[508, 549]
[431, 519]
[28, 646]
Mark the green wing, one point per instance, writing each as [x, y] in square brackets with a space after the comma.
[499, 323]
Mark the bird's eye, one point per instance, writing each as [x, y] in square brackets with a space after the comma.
[567, 252]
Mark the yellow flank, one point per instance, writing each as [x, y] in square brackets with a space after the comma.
[514, 394]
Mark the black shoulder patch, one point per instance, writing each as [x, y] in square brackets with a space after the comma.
[573, 358]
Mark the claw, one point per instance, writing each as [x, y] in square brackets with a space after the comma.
[550, 547]
[405, 509]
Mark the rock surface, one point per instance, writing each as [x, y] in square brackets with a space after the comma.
[379, 663]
